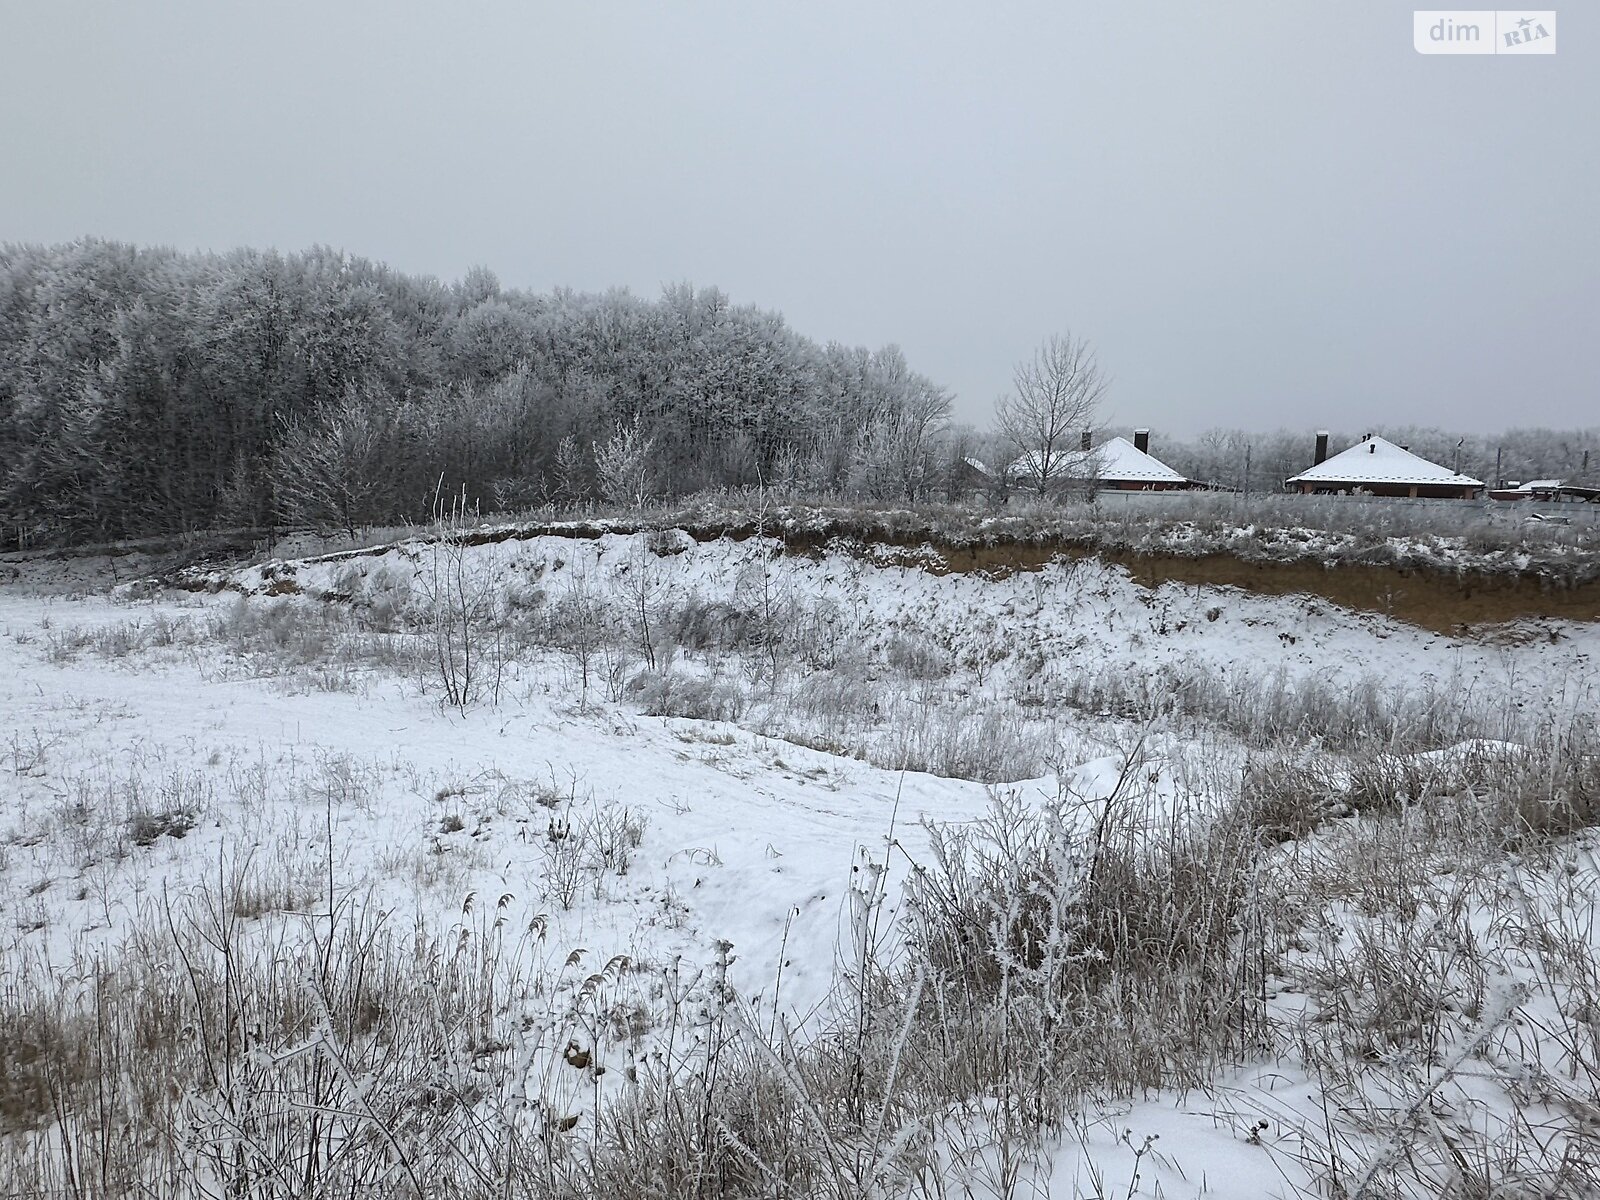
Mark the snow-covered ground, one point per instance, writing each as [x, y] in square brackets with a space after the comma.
[144, 754]
[1046, 630]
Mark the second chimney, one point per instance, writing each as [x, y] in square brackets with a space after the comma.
[1141, 440]
[1322, 447]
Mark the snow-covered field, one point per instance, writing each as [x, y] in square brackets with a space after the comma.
[662, 790]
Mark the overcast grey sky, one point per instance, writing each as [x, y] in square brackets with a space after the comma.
[1264, 213]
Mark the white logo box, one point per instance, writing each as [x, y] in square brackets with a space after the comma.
[1484, 31]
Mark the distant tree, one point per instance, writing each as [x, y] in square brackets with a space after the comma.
[1055, 397]
[478, 286]
[897, 445]
[339, 468]
[968, 463]
[150, 391]
[623, 467]
[572, 472]
[488, 340]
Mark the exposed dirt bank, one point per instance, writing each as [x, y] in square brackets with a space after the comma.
[1432, 600]
[1440, 601]
[1437, 598]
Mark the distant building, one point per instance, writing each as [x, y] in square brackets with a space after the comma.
[1117, 465]
[1547, 491]
[1378, 467]
[976, 467]
[971, 478]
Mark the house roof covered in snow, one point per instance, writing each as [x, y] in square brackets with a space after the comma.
[978, 465]
[1378, 460]
[1117, 460]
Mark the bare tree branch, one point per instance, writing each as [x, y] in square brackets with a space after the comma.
[1055, 399]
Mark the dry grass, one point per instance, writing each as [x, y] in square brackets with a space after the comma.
[255, 1035]
[1389, 896]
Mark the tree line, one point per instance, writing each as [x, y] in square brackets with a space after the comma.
[149, 392]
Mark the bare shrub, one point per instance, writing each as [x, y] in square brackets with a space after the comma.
[698, 623]
[1286, 795]
[769, 598]
[678, 693]
[841, 705]
[1071, 957]
[644, 593]
[984, 741]
[1279, 710]
[623, 467]
[584, 841]
[460, 593]
[582, 626]
[297, 638]
[916, 659]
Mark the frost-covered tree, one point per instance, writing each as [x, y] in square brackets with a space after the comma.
[1055, 398]
[149, 391]
[335, 468]
[897, 453]
[572, 472]
[623, 467]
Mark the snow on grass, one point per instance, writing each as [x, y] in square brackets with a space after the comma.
[688, 815]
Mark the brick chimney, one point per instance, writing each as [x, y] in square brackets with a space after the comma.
[1322, 447]
[1087, 439]
[1141, 440]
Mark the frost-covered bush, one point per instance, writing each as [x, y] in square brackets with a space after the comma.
[916, 658]
[678, 693]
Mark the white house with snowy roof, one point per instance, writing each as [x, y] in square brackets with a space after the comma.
[1378, 467]
[1117, 464]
